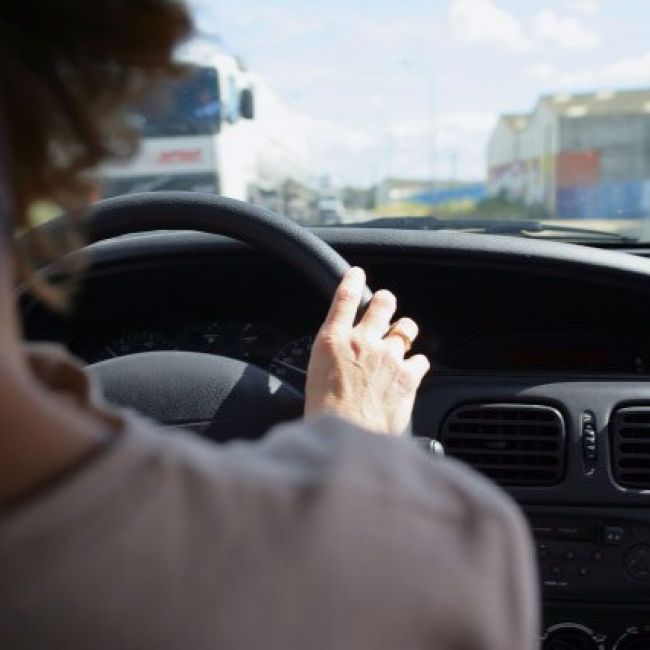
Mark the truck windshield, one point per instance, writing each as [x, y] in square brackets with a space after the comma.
[188, 106]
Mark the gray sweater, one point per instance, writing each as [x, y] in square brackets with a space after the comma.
[322, 536]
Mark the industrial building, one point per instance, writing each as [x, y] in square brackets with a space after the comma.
[576, 156]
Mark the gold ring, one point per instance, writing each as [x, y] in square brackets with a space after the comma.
[408, 342]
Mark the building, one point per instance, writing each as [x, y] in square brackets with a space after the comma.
[578, 156]
[505, 156]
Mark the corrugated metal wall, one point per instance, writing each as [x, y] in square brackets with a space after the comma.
[603, 169]
[630, 200]
[578, 168]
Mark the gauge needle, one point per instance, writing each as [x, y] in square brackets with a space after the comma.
[108, 349]
[290, 367]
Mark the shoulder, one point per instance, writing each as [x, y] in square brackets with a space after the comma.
[343, 466]
[383, 494]
[353, 521]
[384, 515]
[389, 471]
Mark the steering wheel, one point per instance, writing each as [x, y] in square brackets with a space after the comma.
[221, 398]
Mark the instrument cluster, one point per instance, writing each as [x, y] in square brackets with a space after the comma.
[269, 344]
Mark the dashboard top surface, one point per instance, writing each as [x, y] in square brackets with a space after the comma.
[485, 303]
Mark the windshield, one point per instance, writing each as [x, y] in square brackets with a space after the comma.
[461, 114]
[190, 106]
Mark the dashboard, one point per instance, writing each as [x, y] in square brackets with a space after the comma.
[530, 341]
[284, 348]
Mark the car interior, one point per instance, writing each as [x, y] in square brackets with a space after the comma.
[502, 195]
[540, 377]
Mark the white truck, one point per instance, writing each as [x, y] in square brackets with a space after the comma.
[219, 129]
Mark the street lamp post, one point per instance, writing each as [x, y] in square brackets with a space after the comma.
[430, 119]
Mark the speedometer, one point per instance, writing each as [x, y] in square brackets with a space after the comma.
[134, 342]
[291, 360]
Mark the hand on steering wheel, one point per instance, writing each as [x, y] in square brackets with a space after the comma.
[360, 372]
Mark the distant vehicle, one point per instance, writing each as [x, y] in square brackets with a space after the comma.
[208, 132]
[330, 211]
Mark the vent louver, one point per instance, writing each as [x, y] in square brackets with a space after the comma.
[513, 444]
[630, 433]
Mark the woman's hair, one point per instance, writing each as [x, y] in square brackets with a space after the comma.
[70, 70]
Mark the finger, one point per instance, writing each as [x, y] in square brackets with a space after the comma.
[401, 335]
[417, 366]
[345, 303]
[379, 314]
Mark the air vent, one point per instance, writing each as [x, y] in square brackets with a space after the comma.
[630, 431]
[513, 444]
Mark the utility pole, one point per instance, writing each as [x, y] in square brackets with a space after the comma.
[433, 146]
[432, 128]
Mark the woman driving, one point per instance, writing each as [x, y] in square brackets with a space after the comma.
[333, 532]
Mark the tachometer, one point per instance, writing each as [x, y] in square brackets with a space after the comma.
[291, 360]
[220, 337]
[212, 337]
[134, 342]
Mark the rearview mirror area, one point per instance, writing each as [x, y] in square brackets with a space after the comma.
[247, 104]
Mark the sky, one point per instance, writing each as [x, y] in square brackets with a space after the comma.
[413, 88]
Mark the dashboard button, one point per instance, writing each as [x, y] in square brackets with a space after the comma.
[637, 562]
[634, 639]
[613, 535]
[571, 636]
[589, 444]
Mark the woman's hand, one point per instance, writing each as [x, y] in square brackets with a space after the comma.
[359, 372]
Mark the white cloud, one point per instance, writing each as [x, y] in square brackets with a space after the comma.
[543, 71]
[466, 121]
[585, 7]
[579, 79]
[471, 122]
[485, 22]
[630, 69]
[566, 31]
[275, 24]
[397, 32]
[482, 21]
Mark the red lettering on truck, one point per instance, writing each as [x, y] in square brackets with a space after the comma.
[174, 156]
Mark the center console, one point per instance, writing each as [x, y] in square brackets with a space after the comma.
[595, 575]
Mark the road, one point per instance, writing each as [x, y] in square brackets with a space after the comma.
[356, 216]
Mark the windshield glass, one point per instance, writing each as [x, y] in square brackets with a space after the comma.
[190, 106]
[485, 115]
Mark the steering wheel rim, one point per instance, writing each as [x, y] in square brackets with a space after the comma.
[245, 400]
[219, 215]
